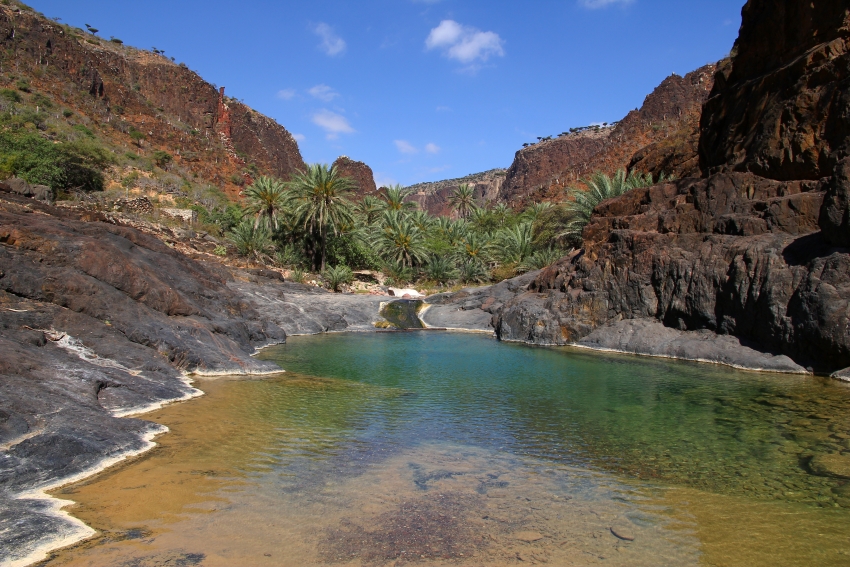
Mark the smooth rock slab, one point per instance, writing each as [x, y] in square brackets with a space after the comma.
[836, 465]
[650, 337]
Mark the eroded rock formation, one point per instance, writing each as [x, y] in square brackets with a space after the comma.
[779, 108]
[758, 249]
[361, 173]
[434, 196]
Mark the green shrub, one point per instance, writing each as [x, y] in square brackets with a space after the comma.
[220, 250]
[338, 276]
[83, 130]
[42, 101]
[23, 85]
[161, 158]
[136, 135]
[67, 113]
[10, 95]
[74, 165]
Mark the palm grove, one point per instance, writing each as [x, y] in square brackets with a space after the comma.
[310, 222]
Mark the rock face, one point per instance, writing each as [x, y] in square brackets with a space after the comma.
[123, 87]
[734, 254]
[779, 108]
[660, 137]
[360, 173]
[434, 197]
[153, 295]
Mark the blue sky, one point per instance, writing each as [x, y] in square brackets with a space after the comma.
[423, 90]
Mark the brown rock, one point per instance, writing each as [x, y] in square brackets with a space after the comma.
[835, 213]
[779, 107]
[528, 536]
[359, 172]
[660, 137]
[836, 465]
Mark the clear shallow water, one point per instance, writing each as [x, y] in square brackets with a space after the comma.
[396, 448]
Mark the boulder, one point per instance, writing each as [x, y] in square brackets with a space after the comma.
[21, 187]
[835, 213]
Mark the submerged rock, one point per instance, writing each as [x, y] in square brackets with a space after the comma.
[836, 465]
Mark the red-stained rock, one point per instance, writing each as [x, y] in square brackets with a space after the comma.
[660, 137]
[360, 173]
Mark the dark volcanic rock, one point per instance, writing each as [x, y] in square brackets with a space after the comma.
[651, 337]
[780, 107]
[734, 254]
[835, 213]
[154, 295]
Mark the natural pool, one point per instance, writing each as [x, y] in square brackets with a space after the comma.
[453, 449]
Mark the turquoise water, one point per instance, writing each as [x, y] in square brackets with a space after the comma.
[453, 449]
[704, 426]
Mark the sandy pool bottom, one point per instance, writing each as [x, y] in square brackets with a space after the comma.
[212, 494]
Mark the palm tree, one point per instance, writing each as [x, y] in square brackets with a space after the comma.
[515, 243]
[533, 212]
[440, 269]
[395, 199]
[370, 208]
[320, 195]
[542, 259]
[251, 240]
[475, 247]
[266, 199]
[456, 232]
[422, 220]
[463, 199]
[600, 187]
[399, 240]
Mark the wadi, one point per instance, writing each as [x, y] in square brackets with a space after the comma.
[629, 346]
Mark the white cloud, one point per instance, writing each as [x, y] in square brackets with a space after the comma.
[323, 92]
[594, 4]
[286, 94]
[464, 43]
[299, 137]
[432, 148]
[405, 147]
[443, 109]
[331, 44]
[332, 123]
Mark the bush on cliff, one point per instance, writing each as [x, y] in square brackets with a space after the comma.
[66, 166]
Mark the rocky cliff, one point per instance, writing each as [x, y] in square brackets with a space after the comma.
[757, 249]
[361, 173]
[114, 89]
[660, 137]
[779, 107]
[434, 196]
